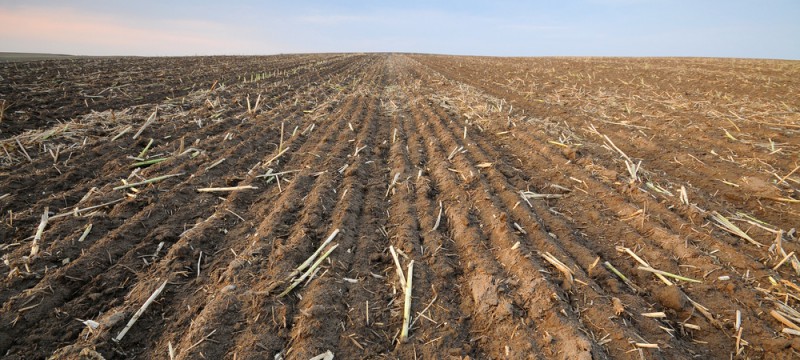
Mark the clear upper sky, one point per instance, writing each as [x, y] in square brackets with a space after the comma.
[732, 28]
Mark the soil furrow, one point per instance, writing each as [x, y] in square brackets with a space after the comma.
[412, 216]
[654, 231]
[280, 215]
[302, 228]
[489, 286]
[72, 103]
[103, 155]
[314, 329]
[547, 233]
[511, 183]
[129, 258]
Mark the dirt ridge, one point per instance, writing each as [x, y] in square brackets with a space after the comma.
[510, 183]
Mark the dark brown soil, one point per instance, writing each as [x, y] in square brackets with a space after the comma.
[506, 181]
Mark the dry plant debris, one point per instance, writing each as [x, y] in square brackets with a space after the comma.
[399, 206]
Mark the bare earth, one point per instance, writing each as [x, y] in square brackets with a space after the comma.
[553, 208]
[18, 56]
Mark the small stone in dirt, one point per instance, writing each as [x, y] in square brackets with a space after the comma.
[568, 153]
[616, 303]
[484, 291]
[229, 288]
[595, 272]
[671, 297]
[90, 354]
[504, 310]
[547, 338]
[729, 288]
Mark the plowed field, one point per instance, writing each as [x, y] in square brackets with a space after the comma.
[550, 208]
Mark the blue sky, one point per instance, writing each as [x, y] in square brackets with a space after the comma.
[734, 28]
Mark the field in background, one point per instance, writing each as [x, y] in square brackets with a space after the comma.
[569, 208]
[16, 56]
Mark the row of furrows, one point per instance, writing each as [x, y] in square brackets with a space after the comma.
[105, 159]
[294, 221]
[470, 301]
[210, 226]
[103, 154]
[243, 249]
[660, 238]
[139, 211]
[454, 259]
[410, 206]
[317, 302]
[499, 323]
[519, 95]
[438, 320]
[662, 168]
[547, 233]
[164, 207]
[468, 240]
[213, 225]
[370, 317]
[207, 134]
[327, 303]
[675, 216]
[544, 85]
[115, 165]
[496, 343]
[686, 78]
[537, 238]
[479, 224]
[235, 313]
[502, 188]
[504, 295]
[24, 98]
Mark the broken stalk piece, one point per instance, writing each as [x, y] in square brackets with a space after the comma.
[407, 303]
[398, 267]
[728, 226]
[148, 181]
[664, 273]
[621, 276]
[147, 162]
[140, 312]
[39, 230]
[227, 189]
[314, 255]
[309, 271]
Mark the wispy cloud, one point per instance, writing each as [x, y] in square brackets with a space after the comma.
[336, 19]
[535, 28]
[65, 30]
